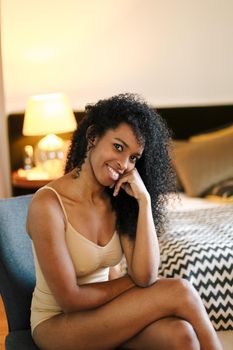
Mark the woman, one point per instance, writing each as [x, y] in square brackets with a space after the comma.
[110, 202]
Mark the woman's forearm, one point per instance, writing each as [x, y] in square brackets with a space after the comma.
[89, 296]
[146, 256]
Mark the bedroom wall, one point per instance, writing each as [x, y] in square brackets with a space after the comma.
[171, 51]
[4, 152]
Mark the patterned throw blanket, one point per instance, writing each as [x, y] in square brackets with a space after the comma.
[198, 246]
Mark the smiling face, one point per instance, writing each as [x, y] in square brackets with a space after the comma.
[113, 154]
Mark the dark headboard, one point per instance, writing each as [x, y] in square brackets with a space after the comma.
[188, 121]
[183, 121]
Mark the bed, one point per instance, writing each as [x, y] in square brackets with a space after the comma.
[197, 243]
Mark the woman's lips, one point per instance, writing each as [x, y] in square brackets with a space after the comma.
[113, 174]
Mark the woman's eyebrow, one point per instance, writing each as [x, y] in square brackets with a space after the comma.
[120, 140]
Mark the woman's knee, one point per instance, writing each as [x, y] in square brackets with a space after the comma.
[184, 336]
[178, 290]
[185, 294]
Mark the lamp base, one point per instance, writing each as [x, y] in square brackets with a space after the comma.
[49, 155]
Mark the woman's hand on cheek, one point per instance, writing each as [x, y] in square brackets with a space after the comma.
[132, 184]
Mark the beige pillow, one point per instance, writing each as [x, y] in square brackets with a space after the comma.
[202, 164]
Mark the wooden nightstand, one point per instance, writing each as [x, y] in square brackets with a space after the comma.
[25, 182]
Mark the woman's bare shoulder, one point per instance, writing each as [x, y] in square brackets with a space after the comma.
[44, 211]
[48, 195]
[43, 199]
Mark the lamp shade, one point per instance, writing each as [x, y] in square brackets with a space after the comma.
[48, 114]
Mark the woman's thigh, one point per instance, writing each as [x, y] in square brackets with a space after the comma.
[169, 333]
[112, 324]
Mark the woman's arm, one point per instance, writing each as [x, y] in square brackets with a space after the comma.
[142, 255]
[46, 226]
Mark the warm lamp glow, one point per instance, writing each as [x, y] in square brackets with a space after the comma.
[48, 115]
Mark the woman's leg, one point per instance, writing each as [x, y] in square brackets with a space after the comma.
[113, 324]
[168, 333]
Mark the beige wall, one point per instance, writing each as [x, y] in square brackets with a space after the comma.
[4, 154]
[170, 51]
[173, 52]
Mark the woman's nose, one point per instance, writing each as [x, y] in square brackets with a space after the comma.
[123, 163]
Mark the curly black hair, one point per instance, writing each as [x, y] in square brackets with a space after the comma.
[154, 166]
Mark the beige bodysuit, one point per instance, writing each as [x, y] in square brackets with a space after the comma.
[91, 263]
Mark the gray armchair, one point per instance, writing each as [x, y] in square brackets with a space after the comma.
[17, 275]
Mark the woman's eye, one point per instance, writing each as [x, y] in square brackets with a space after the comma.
[133, 159]
[118, 147]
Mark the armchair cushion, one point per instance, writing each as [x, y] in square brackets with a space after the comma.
[20, 340]
[17, 274]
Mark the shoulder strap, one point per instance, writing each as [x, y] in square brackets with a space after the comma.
[58, 197]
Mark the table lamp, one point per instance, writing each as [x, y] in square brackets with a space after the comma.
[49, 115]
